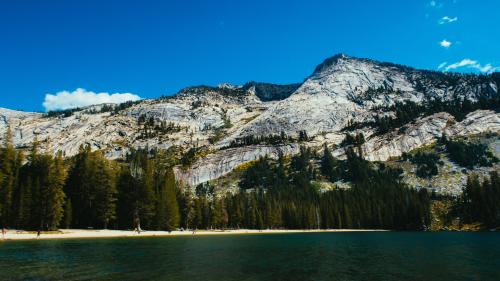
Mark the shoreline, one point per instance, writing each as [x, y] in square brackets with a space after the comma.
[105, 233]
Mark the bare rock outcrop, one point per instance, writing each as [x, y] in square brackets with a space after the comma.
[427, 130]
[224, 161]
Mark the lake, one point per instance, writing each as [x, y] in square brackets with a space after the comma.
[303, 256]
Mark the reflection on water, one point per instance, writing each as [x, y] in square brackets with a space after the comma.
[312, 256]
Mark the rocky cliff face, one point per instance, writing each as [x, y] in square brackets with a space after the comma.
[337, 93]
[224, 161]
[340, 91]
[427, 130]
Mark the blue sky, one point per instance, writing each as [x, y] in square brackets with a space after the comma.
[153, 48]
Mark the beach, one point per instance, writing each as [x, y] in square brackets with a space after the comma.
[106, 233]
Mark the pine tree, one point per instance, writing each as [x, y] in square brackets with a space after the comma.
[55, 192]
[188, 209]
[105, 185]
[219, 217]
[280, 178]
[8, 178]
[251, 214]
[34, 172]
[79, 188]
[170, 201]
[126, 203]
[16, 188]
[91, 187]
[24, 211]
[481, 200]
[68, 213]
[328, 164]
[42, 191]
[142, 192]
[198, 214]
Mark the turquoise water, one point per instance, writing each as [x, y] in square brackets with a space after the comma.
[312, 256]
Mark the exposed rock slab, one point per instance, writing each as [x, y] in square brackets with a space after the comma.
[427, 130]
[224, 161]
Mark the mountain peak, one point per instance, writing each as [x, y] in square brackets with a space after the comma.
[334, 60]
[341, 58]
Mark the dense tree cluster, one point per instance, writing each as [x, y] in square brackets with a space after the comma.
[371, 94]
[147, 192]
[356, 140]
[480, 201]
[427, 163]
[86, 190]
[189, 157]
[32, 194]
[272, 139]
[302, 136]
[113, 108]
[406, 112]
[468, 154]
[152, 128]
[90, 191]
[283, 196]
[62, 113]
[197, 103]
[120, 107]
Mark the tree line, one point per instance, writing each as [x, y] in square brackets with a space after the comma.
[406, 112]
[113, 108]
[46, 192]
[284, 194]
[272, 139]
[468, 153]
[480, 201]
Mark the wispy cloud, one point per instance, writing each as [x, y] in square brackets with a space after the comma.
[441, 65]
[470, 64]
[445, 43]
[81, 97]
[447, 19]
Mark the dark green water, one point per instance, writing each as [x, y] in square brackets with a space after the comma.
[315, 256]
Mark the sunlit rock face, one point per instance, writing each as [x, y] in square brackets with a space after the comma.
[224, 161]
[427, 130]
[339, 91]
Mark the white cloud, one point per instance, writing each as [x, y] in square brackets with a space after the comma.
[447, 19]
[445, 43]
[81, 97]
[471, 64]
[441, 65]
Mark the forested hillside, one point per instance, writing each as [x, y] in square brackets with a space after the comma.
[39, 191]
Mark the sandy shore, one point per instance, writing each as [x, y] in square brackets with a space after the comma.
[104, 233]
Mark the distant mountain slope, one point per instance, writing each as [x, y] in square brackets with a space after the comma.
[230, 125]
